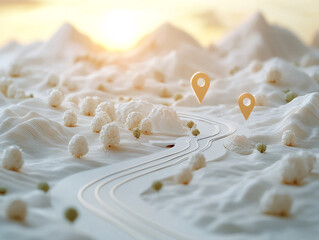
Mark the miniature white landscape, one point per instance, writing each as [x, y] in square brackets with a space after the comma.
[238, 192]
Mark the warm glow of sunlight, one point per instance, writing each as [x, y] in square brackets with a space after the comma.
[119, 25]
[120, 29]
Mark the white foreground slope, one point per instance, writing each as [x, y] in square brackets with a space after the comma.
[222, 199]
[38, 130]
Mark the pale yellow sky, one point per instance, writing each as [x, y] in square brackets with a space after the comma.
[119, 24]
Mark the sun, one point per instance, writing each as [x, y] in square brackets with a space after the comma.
[120, 28]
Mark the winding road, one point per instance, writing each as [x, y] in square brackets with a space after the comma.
[110, 197]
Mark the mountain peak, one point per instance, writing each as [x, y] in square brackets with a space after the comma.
[69, 34]
[255, 23]
[257, 20]
[170, 35]
[257, 39]
[66, 43]
[165, 38]
[66, 30]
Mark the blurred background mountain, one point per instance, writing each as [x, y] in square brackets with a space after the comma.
[119, 25]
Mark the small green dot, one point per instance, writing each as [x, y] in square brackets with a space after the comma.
[195, 132]
[71, 214]
[190, 124]
[44, 186]
[157, 185]
[290, 96]
[261, 147]
[3, 191]
[136, 132]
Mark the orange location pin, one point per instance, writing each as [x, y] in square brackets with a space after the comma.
[246, 110]
[200, 90]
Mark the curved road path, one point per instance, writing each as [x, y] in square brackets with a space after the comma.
[111, 195]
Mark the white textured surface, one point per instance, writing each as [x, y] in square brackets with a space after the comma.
[222, 199]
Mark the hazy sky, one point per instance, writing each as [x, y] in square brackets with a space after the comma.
[119, 24]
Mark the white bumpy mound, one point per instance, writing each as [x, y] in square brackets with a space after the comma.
[273, 76]
[133, 120]
[146, 126]
[166, 120]
[184, 177]
[296, 166]
[107, 107]
[274, 202]
[141, 106]
[70, 118]
[289, 138]
[198, 161]
[88, 106]
[110, 135]
[17, 210]
[55, 98]
[261, 99]
[78, 146]
[12, 158]
[100, 119]
[52, 80]
[15, 70]
[255, 66]
[239, 144]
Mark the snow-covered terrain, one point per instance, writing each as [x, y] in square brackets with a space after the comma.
[223, 198]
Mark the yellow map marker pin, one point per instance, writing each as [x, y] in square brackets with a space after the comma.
[200, 90]
[246, 110]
